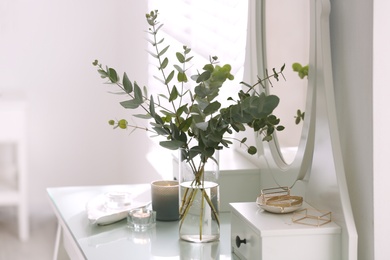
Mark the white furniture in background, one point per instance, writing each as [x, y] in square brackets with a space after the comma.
[13, 169]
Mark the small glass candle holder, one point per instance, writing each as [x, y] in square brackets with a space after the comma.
[141, 219]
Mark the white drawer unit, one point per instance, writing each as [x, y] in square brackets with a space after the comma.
[256, 234]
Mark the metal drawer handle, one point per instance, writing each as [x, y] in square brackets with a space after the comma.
[240, 241]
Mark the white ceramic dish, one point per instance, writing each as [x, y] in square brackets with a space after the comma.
[113, 206]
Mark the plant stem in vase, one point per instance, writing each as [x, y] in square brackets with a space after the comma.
[199, 198]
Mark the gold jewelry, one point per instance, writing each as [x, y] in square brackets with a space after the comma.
[284, 201]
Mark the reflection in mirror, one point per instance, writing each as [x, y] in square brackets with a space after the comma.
[286, 26]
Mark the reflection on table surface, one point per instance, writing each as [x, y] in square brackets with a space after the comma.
[118, 241]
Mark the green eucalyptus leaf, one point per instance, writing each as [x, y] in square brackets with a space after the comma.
[159, 27]
[161, 130]
[209, 68]
[174, 131]
[252, 150]
[163, 51]
[208, 152]
[226, 143]
[103, 73]
[138, 93]
[186, 50]
[167, 113]
[182, 77]
[163, 96]
[152, 54]
[127, 84]
[267, 138]
[164, 63]
[271, 102]
[158, 119]
[246, 84]
[143, 116]
[202, 126]
[174, 94]
[212, 108]
[237, 126]
[178, 68]
[151, 107]
[112, 75]
[296, 66]
[203, 77]
[145, 91]
[170, 77]
[160, 41]
[182, 109]
[172, 144]
[159, 79]
[180, 57]
[130, 104]
[194, 151]
[186, 124]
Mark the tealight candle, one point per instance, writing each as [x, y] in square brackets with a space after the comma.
[165, 200]
[141, 219]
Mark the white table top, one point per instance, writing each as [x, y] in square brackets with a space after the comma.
[117, 241]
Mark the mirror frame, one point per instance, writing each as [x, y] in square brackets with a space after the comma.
[287, 174]
[318, 173]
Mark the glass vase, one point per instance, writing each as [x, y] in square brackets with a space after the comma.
[199, 198]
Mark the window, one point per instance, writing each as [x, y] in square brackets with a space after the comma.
[208, 27]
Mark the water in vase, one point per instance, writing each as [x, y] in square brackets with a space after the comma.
[200, 221]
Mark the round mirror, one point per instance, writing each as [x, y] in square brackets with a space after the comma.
[286, 28]
[283, 32]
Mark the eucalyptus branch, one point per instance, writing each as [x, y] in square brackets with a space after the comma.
[200, 125]
[115, 80]
[268, 77]
[161, 67]
[123, 124]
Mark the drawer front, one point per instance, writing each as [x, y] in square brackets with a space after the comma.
[248, 245]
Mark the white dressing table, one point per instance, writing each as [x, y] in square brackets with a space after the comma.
[81, 240]
[268, 235]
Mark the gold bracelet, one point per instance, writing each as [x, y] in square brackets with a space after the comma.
[284, 201]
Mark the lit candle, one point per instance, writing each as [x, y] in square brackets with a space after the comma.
[165, 200]
[141, 214]
[141, 219]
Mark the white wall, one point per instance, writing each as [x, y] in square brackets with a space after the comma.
[360, 40]
[381, 123]
[46, 49]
